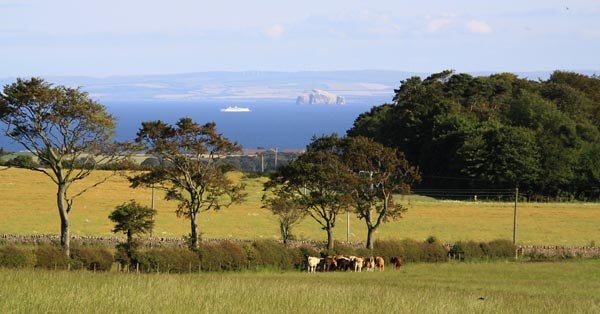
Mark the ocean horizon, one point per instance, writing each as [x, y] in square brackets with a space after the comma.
[269, 124]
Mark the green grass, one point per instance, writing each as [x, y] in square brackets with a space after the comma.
[28, 207]
[506, 287]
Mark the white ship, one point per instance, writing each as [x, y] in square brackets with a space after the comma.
[235, 109]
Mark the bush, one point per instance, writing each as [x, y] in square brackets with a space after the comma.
[180, 260]
[501, 249]
[341, 249]
[484, 250]
[224, 256]
[51, 257]
[275, 255]
[237, 258]
[410, 250]
[472, 250]
[22, 161]
[91, 258]
[433, 251]
[387, 248]
[12, 257]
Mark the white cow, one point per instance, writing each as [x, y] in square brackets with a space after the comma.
[312, 263]
[358, 263]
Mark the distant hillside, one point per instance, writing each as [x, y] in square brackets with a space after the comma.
[372, 86]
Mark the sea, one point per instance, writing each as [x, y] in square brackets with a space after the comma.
[269, 124]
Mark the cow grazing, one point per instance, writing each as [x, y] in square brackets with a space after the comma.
[330, 264]
[358, 263]
[379, 263]
[370, 263]
[312, 263]
[343, 262]
[397, 262]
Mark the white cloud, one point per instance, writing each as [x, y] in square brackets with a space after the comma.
[274, 31]
[377, 23]
[479, 27]
[436, 24]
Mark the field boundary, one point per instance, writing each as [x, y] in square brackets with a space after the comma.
[522, 250]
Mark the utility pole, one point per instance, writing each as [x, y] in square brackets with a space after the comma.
[347, 225]
[152, 230]
[262, 162]
[515, 216]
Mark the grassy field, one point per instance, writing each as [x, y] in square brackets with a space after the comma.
[565, 287]
[28, 207]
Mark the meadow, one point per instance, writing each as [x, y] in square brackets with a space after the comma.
[500, 287]
[28, 207]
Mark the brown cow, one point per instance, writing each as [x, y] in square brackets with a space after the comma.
[370, 264]
[397, 262]
[330, 264]
[379, 263]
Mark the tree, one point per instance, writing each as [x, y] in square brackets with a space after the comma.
[22, 161]
[189, 172]
[382, 172]
[320, 182]
[504, 156]
[59, 125]
[132, 219]
[289, 212]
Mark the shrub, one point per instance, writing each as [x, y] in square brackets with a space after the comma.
[273, 254]
[51, 257]
[254, 259]
[411, 250]
[167, 260]
[363, 252]
[433, 251]
[501, 249]
[387, 248]
[237, 258]
[457, 252]
[224, 256]
[491, 250]
[12, 257]
[472, 250]
[341, 249]
[22, 161]
[211, 257]
[91, 258]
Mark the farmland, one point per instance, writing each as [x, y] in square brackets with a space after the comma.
[28, 207]
[501, 287]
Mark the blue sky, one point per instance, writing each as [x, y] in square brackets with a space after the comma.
[122, 37]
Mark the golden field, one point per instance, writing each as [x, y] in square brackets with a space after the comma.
[27, 206]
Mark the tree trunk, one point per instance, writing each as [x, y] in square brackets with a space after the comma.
[194, 231]
[285, 233]
[65, 238]
[329, 237]
[370, 232]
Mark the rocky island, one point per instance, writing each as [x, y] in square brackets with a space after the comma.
[319, 97]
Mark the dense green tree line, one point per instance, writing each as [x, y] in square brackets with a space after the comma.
[496, 131]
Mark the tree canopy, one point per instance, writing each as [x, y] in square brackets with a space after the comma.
[60, 126]
[495, 131]
[345, 174]
[188, 171]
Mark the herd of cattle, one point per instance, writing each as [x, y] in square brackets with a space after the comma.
[350, 263]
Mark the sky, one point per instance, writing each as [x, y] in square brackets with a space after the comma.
[141, 37]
